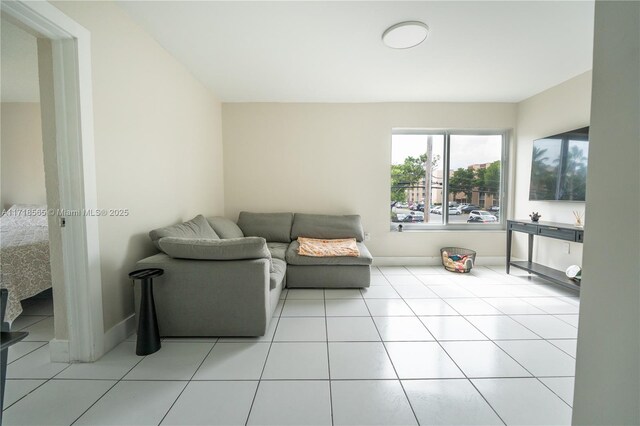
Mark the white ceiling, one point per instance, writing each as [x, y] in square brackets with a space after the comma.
[19, 65]
[265, 51]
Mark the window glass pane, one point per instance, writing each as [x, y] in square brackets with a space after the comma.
[474, 178]
[416, 180]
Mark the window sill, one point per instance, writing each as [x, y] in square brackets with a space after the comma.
[415, 227]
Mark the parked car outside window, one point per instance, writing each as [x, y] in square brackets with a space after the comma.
[413, 217]
[481, 216]
[452, 210]
[469, 207]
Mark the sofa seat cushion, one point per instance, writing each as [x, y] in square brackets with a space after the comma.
[198, 227]
[324, 226]
[208, 249]
[225, 228]
[278, 269]
[273, 227]
[294, 258]
[278, 250]
[328, 276]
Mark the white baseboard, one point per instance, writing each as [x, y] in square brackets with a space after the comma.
[59, 350]
[119, 332]
[406, 261]
[432, 261]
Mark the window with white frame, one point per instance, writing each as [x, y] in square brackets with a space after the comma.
[447, 179]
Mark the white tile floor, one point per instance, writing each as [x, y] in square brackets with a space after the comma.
[420, 346]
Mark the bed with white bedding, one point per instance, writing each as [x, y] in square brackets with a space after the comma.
[24, 255]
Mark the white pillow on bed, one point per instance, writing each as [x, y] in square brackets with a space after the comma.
[26, 215]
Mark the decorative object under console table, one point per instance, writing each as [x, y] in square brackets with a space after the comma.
[558, 231]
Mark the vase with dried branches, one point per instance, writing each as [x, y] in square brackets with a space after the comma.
[579, 219]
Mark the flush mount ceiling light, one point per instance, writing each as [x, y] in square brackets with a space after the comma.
[405, 34]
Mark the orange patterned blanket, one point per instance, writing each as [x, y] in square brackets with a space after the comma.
[328, 248]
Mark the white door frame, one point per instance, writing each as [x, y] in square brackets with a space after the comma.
[71, 49]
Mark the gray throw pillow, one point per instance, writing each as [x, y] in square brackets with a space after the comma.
[273, 227]
[224, 227]
[198, 227]
[206, 249]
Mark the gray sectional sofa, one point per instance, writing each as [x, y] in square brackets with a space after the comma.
[225, 279]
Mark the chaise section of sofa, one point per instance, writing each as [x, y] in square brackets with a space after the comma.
[213, 298]
[213, 286]
[328, 272]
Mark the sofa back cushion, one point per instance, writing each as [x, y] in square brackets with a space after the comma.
[273, 227]
[198, 227]
[327, 226]
[225, 228]
[207, 249]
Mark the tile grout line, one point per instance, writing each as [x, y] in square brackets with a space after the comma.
[503, 313]
[94, 403]
[27, 394]
[509, 355]
[404, 391]
[39, 347]
[555, 376]
[107, 391]
[463, 372]
[326, 328]
[272, 340]
[567, 322]
[452, 307]
[554, 392]
[538, 334]
[30, 352]
[549, 340]
[266, 359]
[189, 381]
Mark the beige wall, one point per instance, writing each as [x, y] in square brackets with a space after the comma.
[158, 144]
[558, 109]
[22, 158]
[334, 158]
[608, 358]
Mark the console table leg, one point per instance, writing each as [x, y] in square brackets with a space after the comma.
[148, 340]
[530, 252]
[509, 234]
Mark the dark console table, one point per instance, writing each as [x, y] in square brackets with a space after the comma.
[558, 231]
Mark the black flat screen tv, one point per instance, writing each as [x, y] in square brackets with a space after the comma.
[559, 167]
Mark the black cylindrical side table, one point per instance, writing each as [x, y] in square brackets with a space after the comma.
[148, 335]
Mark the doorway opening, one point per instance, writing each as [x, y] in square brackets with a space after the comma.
[25, 260]
[64, 70]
